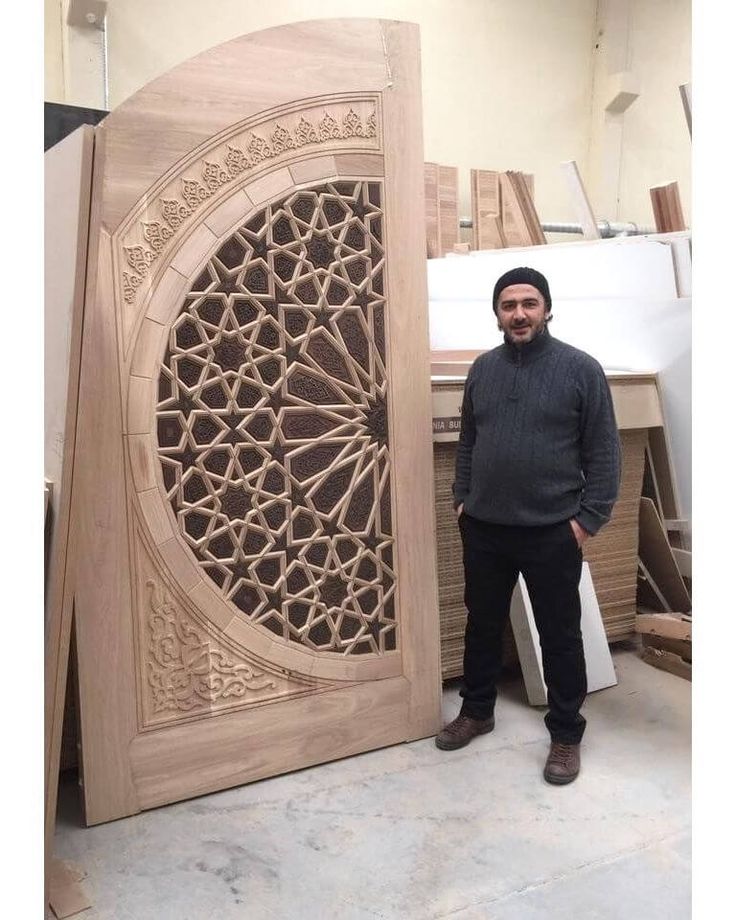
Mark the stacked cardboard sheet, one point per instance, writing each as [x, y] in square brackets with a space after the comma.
[450, 569]
[612, 555]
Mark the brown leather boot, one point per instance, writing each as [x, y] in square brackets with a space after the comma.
[563, 763]
[460, 731]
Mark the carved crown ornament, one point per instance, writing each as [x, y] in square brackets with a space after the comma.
[151, 234]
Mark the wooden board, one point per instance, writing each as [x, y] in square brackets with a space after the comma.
[68, 174]
[67, 896]
[656, 554]
[668, 625]
[431, 209]
[449, 221]
[254, 591]
[668, 661]
[668, 216]
[521, 225]
[485, 198]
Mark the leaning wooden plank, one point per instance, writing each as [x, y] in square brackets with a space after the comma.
[485, 196]
[667, 208]
[684, 560]
[675, 207]
[514, 228]
[449, 221]
[431, 209]
[670, 625]
[531, 218]
[580, 200]
[68, 177]
[515, 221]
[647, 592]
[681, 647]
[655, 553]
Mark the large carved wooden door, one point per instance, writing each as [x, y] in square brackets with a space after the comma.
[255, 583]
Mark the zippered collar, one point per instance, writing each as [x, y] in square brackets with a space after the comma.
[527, 351]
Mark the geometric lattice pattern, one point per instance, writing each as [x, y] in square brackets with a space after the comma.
[272, 421]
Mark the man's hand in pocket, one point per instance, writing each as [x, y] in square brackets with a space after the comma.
[581, 534]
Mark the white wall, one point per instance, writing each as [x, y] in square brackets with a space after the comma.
[508, 84]
[615, 299]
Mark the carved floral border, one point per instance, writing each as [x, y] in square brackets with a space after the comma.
[250, 151]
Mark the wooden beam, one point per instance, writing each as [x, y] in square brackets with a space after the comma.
[668, 625]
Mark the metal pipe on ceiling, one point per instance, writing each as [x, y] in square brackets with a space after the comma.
[606, 228]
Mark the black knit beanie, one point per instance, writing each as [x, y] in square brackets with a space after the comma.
[522, 276]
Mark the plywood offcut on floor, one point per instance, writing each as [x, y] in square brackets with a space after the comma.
[415, 833]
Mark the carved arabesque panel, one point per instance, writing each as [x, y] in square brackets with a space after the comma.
[272, 421]
[188, 669]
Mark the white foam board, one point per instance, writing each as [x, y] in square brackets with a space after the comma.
[598, 662]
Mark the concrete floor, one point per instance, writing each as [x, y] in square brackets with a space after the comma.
[415, 833]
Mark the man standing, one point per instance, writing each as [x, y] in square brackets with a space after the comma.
[537, 473]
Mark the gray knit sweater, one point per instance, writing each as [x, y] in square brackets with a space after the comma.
[538, 437]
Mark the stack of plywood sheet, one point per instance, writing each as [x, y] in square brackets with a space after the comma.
[441, 209]
[612, 556]
[521, 225]
[667, 208]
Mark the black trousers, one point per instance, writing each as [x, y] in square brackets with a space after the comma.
[550, 561]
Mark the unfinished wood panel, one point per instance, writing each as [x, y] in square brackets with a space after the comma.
[485, 196]
[67, 896]
[656, 555]
[411, 403]
[279, 551]
[668, 216]
[67, 190]
[669, 625]
[521, 224]
[172, 765]
[431, 210]
[580, 201]
[636, 402]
